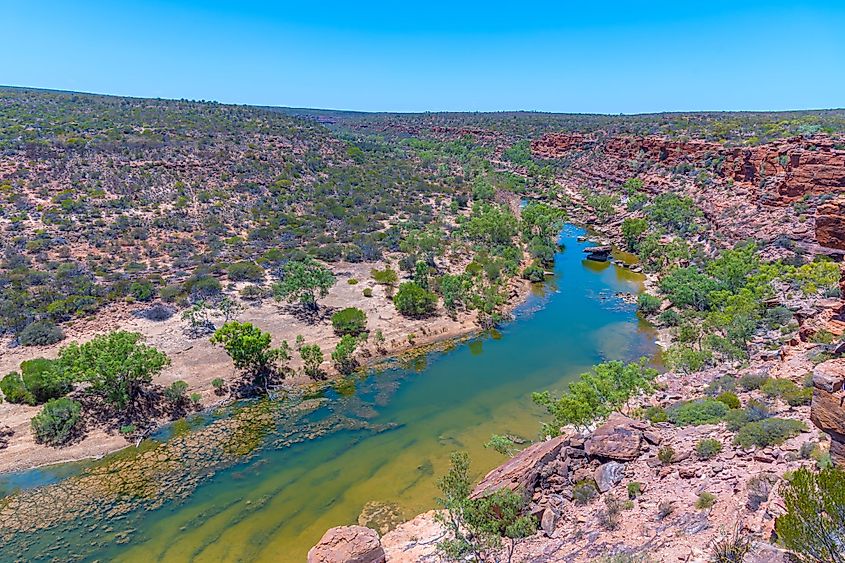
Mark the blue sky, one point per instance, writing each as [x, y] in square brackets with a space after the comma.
[588, 56]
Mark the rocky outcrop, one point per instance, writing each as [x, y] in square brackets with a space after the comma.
[828, 407]
[743, 191]
[415, 541]
[348, 544]
[619, 439]
[830, 223]
[521, 472]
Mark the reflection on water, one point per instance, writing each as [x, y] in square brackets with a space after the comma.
[264, 480]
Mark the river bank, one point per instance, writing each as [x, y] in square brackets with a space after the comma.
[196, 362]
[382, 440]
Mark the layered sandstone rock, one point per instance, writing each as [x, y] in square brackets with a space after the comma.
[830, 223]
[619, 439]
[828, 407]
[348, 544]
[521, 472]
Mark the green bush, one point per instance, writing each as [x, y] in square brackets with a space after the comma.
[798, 396]
[43, 380]
[754, 411]
[708, 448]
[14, 390]
[648, 304]
[142, 290]
[730, 399]
[245, 271]
[666, 455]
[635, 489]
[686, 358]
[58, 421]
[699, 411]
[768, 432]
[176, 391]
[705, 500]
[40, 333]
[349, 321]
[721, 385]
[777, 387]
[656, 414]
[368, 292]
[813, 527]
[534, 273]
[414, 301]
[752, 381]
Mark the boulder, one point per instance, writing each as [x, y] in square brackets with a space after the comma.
[828, 407]
[830, 223]
[415, 541]
[520, 473]
[618, 439]
[608, 475]
[348, 544]
[547, 521]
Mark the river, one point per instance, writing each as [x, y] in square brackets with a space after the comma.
[263, 481]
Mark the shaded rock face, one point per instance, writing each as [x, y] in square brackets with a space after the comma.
[828, 407]
[348, 544]
[830, 223]
[619, 439]
[521, 472]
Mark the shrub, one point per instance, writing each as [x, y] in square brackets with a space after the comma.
[349, 321]
[656, 414]
[171, 293]
[58, 421]
[312, 357]
[610, 516]
[368, 292]
[768, 432]
[43, 380]
[699, 411]
[686, 358]
[726, 383]
[731, 548]
[15, 391]
[635, 489]
[708, 448]
[218, 384]
[352, 281]
[142, 290]
[245, 271]
[648, 304]
[534, 273]
[730, 399]
[777, 387]
[798, 396]
[40, 333]
[158, 312]
[343, 354]
[387, 276]
[705, 500]
[252, 292]
[753, 412]
[176, 391]
[813, 527]
[670, 317]
[584, 491]
[752, 381]
[666, 454]
[414, 301]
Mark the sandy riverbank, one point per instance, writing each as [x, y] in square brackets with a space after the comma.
[197, 362]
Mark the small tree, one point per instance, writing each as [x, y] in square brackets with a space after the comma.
[349, 321]
[312, 357]
[342, 355]
[303, 281]
[58, 421]
[813, 528]
[117, 365]
[414, 301]
[250, 350]
[476, 527]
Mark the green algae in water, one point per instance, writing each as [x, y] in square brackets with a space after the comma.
[271, 496]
